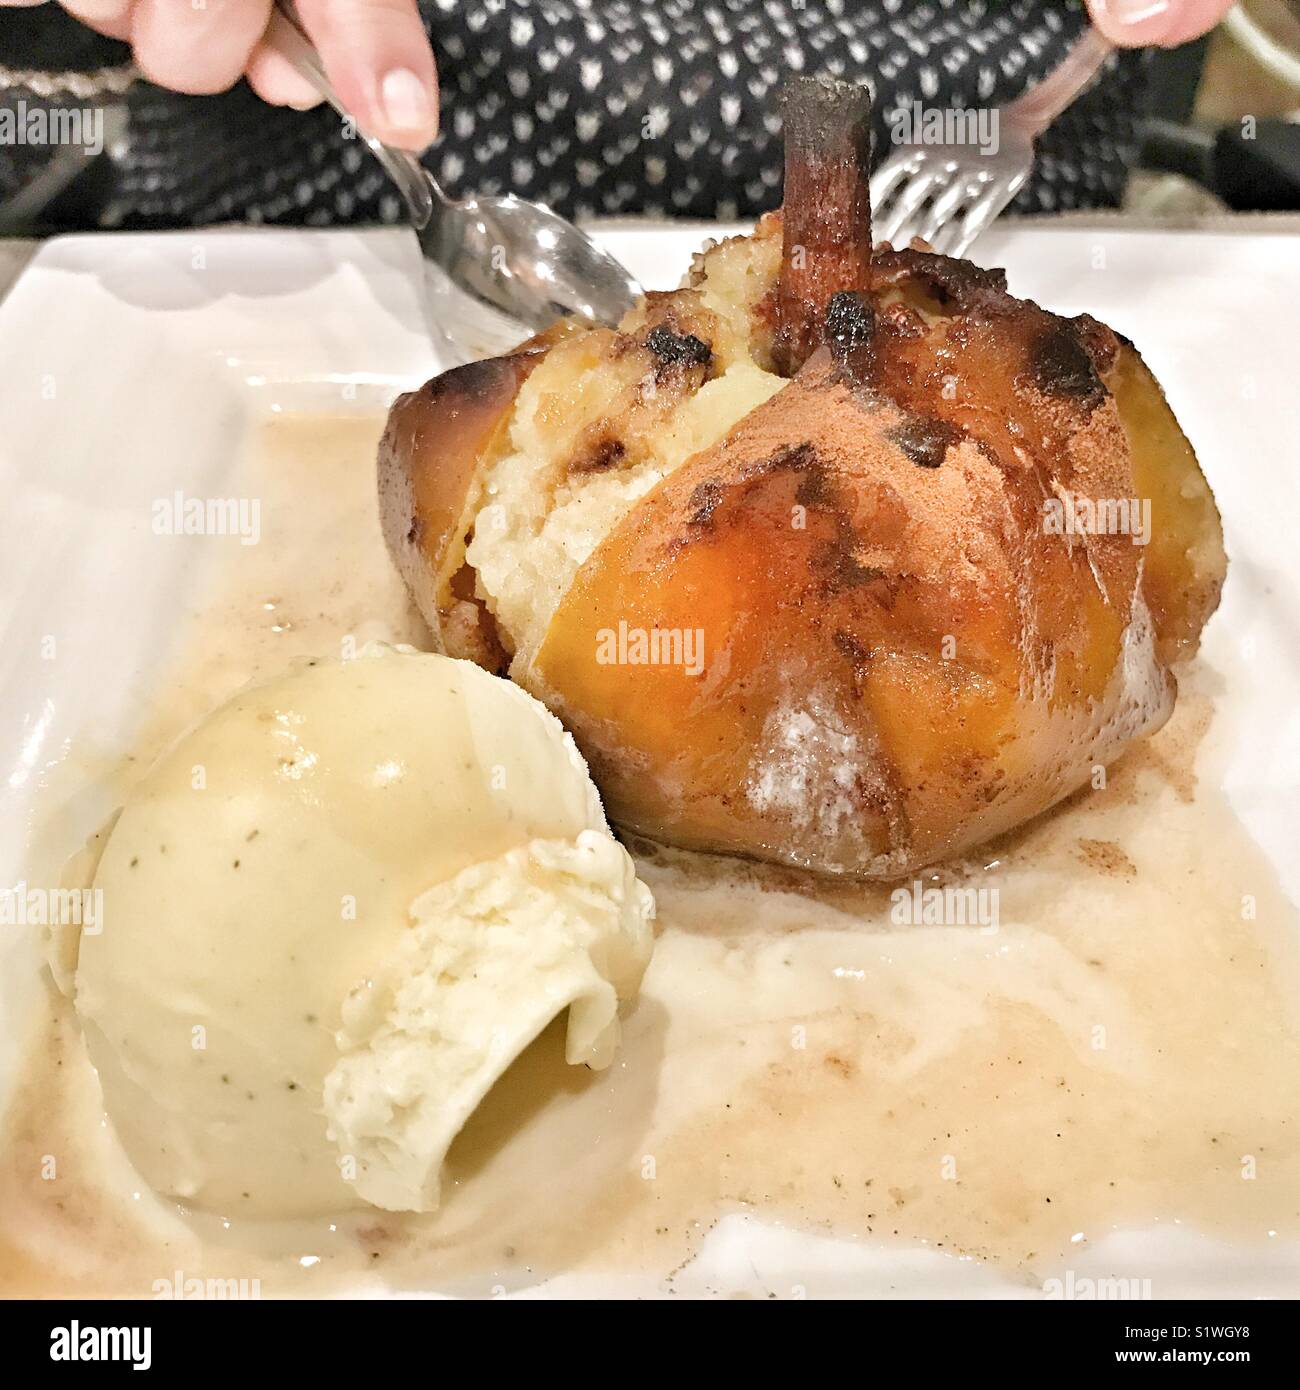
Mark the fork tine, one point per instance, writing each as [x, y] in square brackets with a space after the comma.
[965, 225]
[946, 238]
[906, 166]
[983, 212]
[941, 243]
[944, 210]
[918, 188]
[890, 174]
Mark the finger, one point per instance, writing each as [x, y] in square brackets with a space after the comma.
[111, 17]
[1192, 18]
[275, 79]
[1139, 23]
[196, 49]
[378, 58]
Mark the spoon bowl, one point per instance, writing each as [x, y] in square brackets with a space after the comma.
[527, 261]
[497, 269]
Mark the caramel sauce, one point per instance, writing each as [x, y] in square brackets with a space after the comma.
[1120, 1049]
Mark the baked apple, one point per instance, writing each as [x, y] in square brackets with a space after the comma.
[836, 556]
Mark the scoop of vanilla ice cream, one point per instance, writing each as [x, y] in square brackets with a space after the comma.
[492, 957]
[334, 912]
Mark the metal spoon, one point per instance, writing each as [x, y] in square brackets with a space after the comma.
[496, 269]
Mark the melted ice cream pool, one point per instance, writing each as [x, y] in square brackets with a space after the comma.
[1120, 1050]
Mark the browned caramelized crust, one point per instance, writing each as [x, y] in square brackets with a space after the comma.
[901, 660]
[429, 459]
[850, 620]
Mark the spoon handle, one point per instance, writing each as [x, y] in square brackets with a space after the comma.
[287, 37]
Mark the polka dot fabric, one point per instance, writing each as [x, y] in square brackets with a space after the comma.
[606, 107]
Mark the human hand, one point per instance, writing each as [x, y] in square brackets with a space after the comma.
[376, 53]
[1159, 23]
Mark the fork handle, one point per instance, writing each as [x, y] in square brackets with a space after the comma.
[1038, 107]
[286, 35]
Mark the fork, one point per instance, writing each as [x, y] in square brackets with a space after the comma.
[948, 194]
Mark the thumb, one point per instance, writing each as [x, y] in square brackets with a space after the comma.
[1165, 23]
[378, 57]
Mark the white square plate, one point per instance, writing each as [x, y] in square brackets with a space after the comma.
[132, 366]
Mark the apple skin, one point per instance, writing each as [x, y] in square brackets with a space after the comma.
[898, 656]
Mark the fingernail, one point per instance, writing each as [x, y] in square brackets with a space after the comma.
[1136, 13]
[408, 102]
